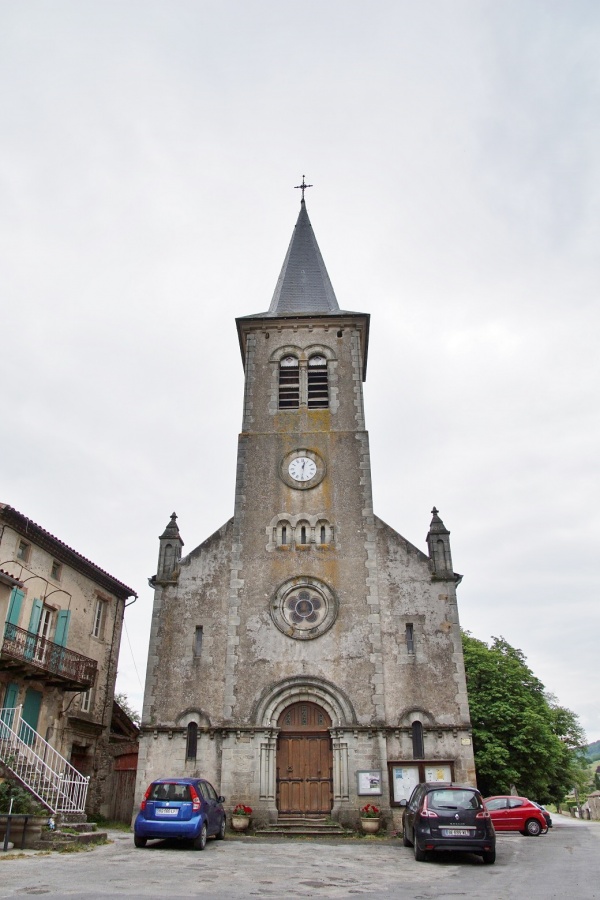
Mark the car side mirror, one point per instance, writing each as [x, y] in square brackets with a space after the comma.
[221, 799]
[403, 803]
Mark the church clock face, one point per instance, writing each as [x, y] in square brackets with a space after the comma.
[302, 469]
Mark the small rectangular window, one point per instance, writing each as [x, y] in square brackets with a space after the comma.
[198, 641]
[23, 551]
[410, 637]
[86, 701]
[56, 570]
[98, 625]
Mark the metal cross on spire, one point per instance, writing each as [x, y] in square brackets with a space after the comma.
[302, 186]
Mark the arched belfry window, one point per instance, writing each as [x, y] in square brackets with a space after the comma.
[289, 383]
[318, 387]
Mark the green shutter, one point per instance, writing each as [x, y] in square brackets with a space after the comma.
[14, 606]
[7, 714]
[36, 613]
[62, 627]
[34, 624]
[10, 696]
[30, 714]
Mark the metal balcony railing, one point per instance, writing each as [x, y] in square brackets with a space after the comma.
[33, 652]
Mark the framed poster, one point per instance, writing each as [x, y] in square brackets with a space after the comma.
[404, 780]
[438, 773]
[369, 783]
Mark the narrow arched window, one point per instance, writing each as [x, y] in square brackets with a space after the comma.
[289, 383]
[191, 745]
[417, 740]
[303, 534]
[169, 559]
[323, 534]
[441, 555]
[318, 387]
[283, 534]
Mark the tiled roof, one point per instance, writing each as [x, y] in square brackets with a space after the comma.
[38, 535]
[10, 580]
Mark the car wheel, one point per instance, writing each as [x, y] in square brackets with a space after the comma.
[139, 841]
[420, 855]
[221, 832]
[489, 857]
[532, 827]
[200, 841]
[405, 840]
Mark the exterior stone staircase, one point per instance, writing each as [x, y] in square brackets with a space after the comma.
[294, 826]
[70, 829]
[38, 767]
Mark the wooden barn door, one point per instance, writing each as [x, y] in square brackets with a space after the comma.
[304, 761]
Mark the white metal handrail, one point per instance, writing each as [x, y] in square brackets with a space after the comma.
[41, 768]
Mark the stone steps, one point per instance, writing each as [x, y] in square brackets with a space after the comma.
[297, 825]
[58, 840]
[78, 832]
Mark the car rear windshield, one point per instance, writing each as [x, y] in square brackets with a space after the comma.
[453, 799]
[170, 791]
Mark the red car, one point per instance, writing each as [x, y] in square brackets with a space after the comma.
[516, 814]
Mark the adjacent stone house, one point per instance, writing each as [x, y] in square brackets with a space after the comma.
[306, 658]
[61, 618]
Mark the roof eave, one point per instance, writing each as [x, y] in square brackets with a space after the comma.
[65, 554]
[261, 320]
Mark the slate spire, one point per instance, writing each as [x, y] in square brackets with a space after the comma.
[303, 286]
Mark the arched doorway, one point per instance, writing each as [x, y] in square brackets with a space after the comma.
[304, 761]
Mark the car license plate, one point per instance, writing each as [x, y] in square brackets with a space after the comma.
[166, 812]
[455, 832]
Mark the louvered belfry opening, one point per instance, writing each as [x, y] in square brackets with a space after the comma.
[289, 383]
[318, 390]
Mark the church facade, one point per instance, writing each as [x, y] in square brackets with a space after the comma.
[306, 658]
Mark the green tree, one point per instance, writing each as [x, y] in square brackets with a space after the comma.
[123, 701]
[521, 737]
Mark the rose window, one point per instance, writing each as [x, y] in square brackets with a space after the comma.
[304, 608]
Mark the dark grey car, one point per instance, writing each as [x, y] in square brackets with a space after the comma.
[445, 816]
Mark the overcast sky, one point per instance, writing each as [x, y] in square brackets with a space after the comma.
[148, 155]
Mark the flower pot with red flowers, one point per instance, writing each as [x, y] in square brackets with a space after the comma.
[240, 817]
[370, 818]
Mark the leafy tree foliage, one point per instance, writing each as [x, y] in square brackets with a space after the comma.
[522, 738]
[23, 803]
[123, 701]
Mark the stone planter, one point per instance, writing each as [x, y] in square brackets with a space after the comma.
[240, 823]
[370, 826]
[33, 830]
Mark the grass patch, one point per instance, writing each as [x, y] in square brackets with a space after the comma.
[101, 822]
[77, 847]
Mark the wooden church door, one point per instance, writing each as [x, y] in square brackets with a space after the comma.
[304, 761]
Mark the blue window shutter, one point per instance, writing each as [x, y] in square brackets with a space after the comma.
[14, 606]
[34, 619]
[62, 627]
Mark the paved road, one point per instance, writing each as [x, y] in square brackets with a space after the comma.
[562, 864]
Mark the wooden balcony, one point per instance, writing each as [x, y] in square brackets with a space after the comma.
[26, 655]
